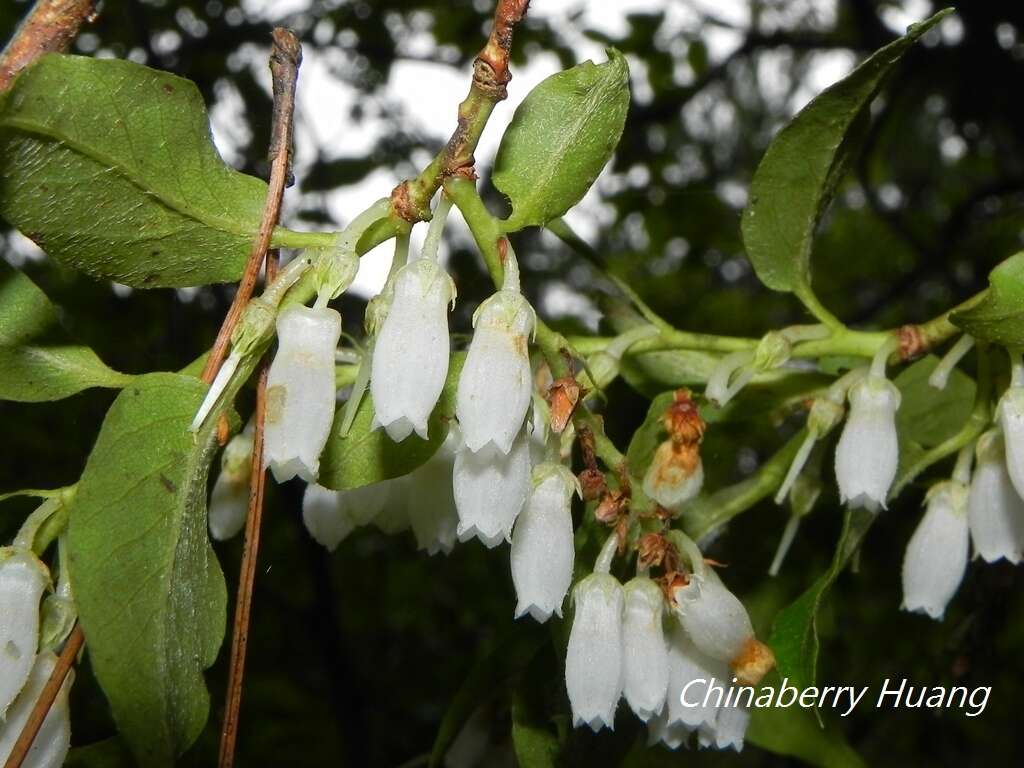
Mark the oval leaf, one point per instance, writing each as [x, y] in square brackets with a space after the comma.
[367, 455]
[560, 138]
[999, 316]
[155, 622]
[798, 175]
[109, 167]
[40, 374]
[25, 311]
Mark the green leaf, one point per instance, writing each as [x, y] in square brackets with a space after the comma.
[560, 138]
[39, 374]
[927, 416]
[794, 636]
[535, 744]
[109, 753]
[109, 167]
[366, 455]
[25, 311]
[795, 732]
[157, 620]
[999, 316]
[798, 175]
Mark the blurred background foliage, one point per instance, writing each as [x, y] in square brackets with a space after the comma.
[355, 658]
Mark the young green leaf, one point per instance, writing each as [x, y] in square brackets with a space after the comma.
[156, 621]
[109, 167]
[999, 316]
[366, 455]
[40, 374]
[560, 138]
[25, 311]
[801, 168]
[794, 637]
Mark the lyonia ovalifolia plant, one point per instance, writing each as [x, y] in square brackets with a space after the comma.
[491, 432]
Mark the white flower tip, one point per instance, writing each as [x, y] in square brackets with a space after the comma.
[489, 540]
[284, 471]
[537, 613]
[597, 722]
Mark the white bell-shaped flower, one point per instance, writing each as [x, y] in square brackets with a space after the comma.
[300, 392]
[593, 658]
[431, 500]
[229, 500]
[50, 746]
[496, 384]
[713, 617]
[542, 544]
[393, 518]
[691, 676]
[410, 354]
[645, 657]
[23, 578]
[868, 450]
[490, 490]
[729, 728]
[995, 511]
[675, 475]
[330, 516]
[936, 556]
[1011, 418]
[661, 731]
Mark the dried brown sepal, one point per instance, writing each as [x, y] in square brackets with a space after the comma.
[563, 397]
[912, 342]
[670, 582]
[622, 533]
[592, 484]
[753, 662]
[682, 419]
[651, 550]
[612, 507]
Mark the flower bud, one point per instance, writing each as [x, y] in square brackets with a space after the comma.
[229, 500]
[593, 658]
[22, 581]
[690, 675]
[995, 512]
[431, 500]
[490, 490]
[720, 627]
[496, 384]
[1011, 418]
[542, 544]
[300, 392]
[51, 744]
[410, 354]
[645, 658]
[676, 474]
[868, 451]
[936, 556]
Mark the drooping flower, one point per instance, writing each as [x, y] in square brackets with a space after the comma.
[1011, 419]
[995, 511]
[690, 676]
[490, 490]
[23, 578]
[50, 746]
[542, 544]
[393, 518]
[300, 392]
[719, 626]
[676, 474]
[330, 516]
[593, 658]
[645, 658]
[868, 450]
[410, 354]
[729, 728]
[229, 500]
[936, 556]
[496, 384]
[431, 500]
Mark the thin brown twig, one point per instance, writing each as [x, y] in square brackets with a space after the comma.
[49, 27]
[42, 707]
[285, 58]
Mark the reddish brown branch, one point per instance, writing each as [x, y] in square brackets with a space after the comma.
[285, 58]
[50, 27]
[45, 701]
[495, 54]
